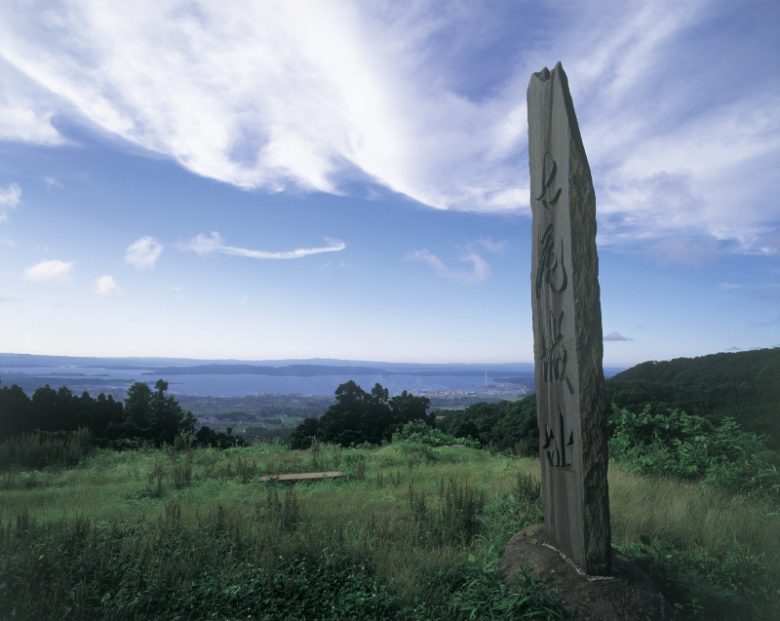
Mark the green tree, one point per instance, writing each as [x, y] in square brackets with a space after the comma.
[14, 411]
[305, 434]
[359, 416]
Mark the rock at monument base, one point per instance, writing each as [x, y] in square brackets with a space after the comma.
[629, 593]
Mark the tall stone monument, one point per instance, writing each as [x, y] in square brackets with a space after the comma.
[568, 348]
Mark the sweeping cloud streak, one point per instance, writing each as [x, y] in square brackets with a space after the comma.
[213, 243]
[317, 96]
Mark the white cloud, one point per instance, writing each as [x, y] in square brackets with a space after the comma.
[106, 286]
[53, 270]
[26, 109]
[204, 244]
[422, 99]
[478, 271]
[10, 197]
[496, 246]
[470, 254]
[277, 95]
[616, 337]
[144, 252]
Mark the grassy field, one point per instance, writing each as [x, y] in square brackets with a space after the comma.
[411, 532]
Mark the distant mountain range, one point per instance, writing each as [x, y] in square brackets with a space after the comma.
[292, 367]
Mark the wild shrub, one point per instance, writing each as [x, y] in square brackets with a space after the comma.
[154, 481]
[182, 472]
[453, 519]
[686, 446]
[528, 490]
[45, 449]
[245, 469]
[729, 583]
[421, 433]
[284, 512]
[485, 595]
[316, 448]
[355, 466]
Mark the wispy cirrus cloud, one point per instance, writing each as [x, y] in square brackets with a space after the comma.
[10, 197]
[423, 100]
[144, 252]
[203, 244]
[478, 271]
[53, 270]
[27, 108]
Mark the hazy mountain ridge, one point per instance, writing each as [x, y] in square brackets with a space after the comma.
[157, 364]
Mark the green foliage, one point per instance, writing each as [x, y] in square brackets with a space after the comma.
[485, 595]
[504, 426]
[359, 416]
[305, 434]
[729, 583]
[454, 516]
[401, 537]
[273, 552]
[744, 386]
[687, 446]
[420, 432]
[125, 573]
[45, 449]
[148, 416]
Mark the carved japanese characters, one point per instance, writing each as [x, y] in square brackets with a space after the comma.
[571, 407]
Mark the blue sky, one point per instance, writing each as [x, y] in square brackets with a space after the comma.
[350, 179]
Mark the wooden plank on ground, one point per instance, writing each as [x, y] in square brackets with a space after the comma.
[302, 476]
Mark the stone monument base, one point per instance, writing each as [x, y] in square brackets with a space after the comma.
[629, 593]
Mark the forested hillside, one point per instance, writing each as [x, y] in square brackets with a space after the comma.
[743, 385]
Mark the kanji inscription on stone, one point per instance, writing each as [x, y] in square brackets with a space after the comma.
[568, 348]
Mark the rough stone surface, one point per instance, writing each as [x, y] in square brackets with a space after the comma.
[568, 349]
[629, 593]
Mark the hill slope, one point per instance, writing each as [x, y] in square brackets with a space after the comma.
[743, 385]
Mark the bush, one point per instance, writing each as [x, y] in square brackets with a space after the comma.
[44, 449]
[503, 426]
[420, 432]
[687, 446]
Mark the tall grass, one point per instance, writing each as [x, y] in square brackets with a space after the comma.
[45, 449]
[409, 534]
[716, 553]
[135, 544]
